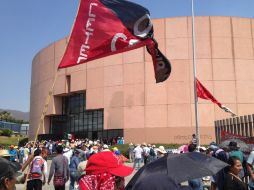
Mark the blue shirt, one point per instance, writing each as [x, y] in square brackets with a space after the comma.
[14, 153]
[74, 163]
[196, 184]
[237, 153]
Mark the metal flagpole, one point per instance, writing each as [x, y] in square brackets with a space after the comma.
[194, 71]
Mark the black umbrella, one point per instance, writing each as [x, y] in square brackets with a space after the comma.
[157, 182]
[178, 168]
[7, 166]
[240, 144]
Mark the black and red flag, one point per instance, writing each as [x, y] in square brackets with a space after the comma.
[203, 93]
[107, 27]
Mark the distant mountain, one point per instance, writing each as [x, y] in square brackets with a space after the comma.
[18, 114]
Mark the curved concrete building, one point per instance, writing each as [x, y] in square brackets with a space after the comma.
[118, 96]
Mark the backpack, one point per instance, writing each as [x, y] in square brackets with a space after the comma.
[37, 168]
[152, 153]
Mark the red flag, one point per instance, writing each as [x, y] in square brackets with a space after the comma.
[107, 27]
[203, 93]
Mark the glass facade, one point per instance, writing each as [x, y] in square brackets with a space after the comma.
[75, 119]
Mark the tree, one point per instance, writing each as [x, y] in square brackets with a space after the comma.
[6, 116]
[7, 132]
[23, 142]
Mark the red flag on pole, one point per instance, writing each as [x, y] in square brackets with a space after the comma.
[107, 27]
[203, 93]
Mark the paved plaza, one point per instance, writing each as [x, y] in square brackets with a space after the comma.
[47, 187]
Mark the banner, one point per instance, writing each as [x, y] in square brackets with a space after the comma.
[70, 136]
[227, 136]
[107, 27]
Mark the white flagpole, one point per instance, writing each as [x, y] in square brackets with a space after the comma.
[194, 72]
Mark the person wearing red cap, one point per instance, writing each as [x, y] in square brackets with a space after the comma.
[104, 170]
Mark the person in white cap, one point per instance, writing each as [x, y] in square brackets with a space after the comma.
[202, 149]
[105, 148]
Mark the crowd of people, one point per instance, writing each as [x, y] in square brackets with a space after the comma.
[145, 153]
[69, 160]
[92, 165]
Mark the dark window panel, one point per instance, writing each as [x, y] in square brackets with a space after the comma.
[90, 127]
[100, 135]
[100, 127]
[95, 127]
[100, 120]
[76, 119]
[90, 135]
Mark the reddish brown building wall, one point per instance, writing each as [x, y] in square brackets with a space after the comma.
[125, 87]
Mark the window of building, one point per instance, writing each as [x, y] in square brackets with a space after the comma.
[75, 119]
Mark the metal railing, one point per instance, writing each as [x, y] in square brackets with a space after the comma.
[242, 125]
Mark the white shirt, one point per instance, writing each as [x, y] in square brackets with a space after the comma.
[146, 150]
[138, 152]
[68, 155]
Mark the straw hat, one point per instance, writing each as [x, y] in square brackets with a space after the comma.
[87, 145]
[66, 149]
[161, 149]
[4, 153]
[202, 148]
[144, 144]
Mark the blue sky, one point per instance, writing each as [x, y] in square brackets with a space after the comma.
[30, 25]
